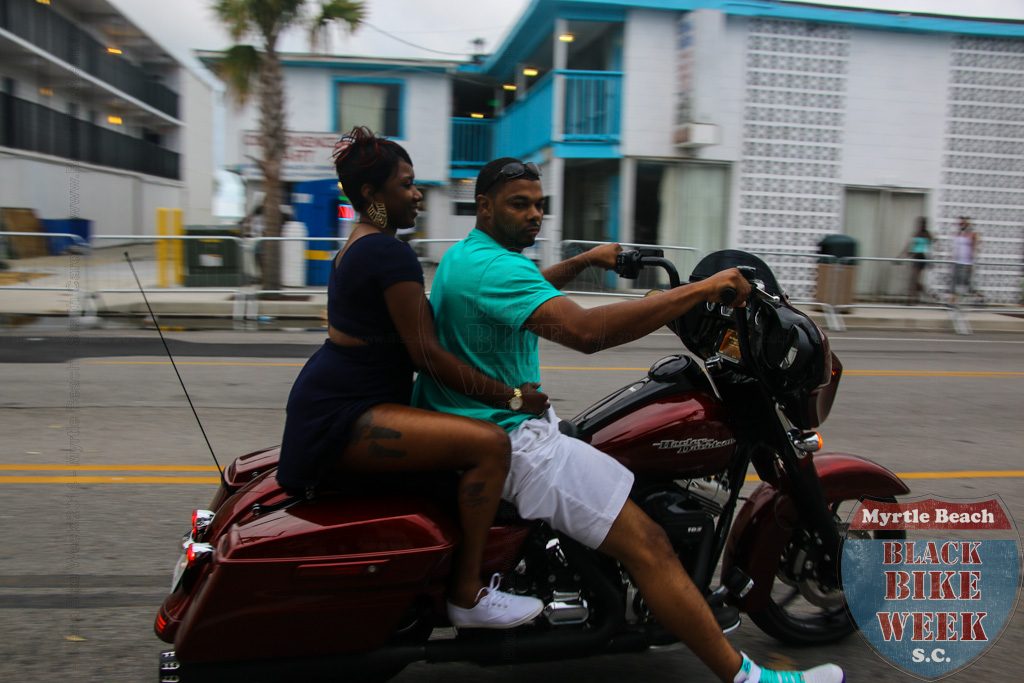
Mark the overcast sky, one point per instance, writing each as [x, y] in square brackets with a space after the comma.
[444, 27]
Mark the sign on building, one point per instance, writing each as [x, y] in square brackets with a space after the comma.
[307, 155]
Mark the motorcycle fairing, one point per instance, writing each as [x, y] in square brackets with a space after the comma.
[766, 521]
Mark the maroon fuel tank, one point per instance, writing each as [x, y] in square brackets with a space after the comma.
[669, 424]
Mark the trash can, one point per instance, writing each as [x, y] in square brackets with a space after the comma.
[212, 262]
[74, 226]
[836, 275]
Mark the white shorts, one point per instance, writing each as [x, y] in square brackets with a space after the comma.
[569, 484]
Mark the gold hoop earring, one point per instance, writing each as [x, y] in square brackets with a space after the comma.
[378, 213]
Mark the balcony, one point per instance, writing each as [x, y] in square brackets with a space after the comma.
[33, 127]
[590, 106]
[51, 32]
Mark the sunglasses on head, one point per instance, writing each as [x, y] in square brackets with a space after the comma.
[513, 170]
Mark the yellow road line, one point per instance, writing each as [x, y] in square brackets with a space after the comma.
[574, 368]
[28, 467]
[242, 364]
[114, 479]
[931, 373]
[961, 474]
[109, 480]
[964, 474]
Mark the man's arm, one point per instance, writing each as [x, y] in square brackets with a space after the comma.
[565, 322]
[562, 273]
[410, 312]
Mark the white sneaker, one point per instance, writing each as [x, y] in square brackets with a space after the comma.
[495, 609]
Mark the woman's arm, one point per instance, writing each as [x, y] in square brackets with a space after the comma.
[410, 311]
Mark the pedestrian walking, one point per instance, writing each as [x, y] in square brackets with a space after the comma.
[919, 249]
[965, 244]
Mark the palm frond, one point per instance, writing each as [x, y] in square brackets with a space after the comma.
[239, 69]
[236, 15]
[349, 13]
[273, 17]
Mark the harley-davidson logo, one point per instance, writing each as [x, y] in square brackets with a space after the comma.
[932, 604]
[691, 445]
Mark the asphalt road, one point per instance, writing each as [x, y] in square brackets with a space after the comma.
[84, 565]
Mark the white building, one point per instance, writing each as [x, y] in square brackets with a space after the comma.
[409, 101]
[98, 121]
[711, 124]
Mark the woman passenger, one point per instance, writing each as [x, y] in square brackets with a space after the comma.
[348, 411]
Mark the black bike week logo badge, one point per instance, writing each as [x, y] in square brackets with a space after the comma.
[931, 602]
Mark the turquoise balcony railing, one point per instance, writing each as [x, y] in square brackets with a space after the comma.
[472, 142]
[592, 105]
[525, 127]
[591, 114]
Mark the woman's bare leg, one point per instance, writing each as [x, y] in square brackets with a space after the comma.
[397, 438]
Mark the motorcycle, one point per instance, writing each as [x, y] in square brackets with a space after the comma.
[350, 585]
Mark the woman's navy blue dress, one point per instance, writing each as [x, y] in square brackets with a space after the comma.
[340, 383]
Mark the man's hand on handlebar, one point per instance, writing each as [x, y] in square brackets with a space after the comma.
[534, 402]
[728, 287]
[603, 256]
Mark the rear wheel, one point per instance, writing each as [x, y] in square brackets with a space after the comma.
[803, 608]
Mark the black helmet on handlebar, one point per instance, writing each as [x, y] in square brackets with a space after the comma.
[702, 327]
[783, 347]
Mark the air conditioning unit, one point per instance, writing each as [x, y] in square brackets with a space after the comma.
[696, 135]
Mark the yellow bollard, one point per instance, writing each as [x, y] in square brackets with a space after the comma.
[178, 247]
[162, 248]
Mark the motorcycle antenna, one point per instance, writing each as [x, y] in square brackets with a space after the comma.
[174, 365]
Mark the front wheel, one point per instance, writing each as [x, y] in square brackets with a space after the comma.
[802, 609]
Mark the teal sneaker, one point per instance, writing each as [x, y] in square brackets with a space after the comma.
[751, 673]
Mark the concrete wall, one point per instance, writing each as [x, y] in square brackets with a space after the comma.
[116, 203]
[197, 148]
[648, 62]
[897, 87]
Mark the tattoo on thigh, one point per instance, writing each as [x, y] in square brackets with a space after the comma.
[375, 432]
[378, 451]
[473, 495]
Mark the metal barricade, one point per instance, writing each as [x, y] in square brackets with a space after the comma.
[602, 284]
[957, 319]
[53, 277]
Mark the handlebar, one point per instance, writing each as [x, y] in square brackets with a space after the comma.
[628, 264]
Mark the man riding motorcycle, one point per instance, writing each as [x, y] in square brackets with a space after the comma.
[491, 303]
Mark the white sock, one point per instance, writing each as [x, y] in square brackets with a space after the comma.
[749, 671]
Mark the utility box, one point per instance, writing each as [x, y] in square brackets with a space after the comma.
[837, 272]
[212, 262]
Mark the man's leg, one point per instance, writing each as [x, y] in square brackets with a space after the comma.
[644, 550]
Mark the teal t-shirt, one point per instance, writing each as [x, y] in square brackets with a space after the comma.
[481, 295]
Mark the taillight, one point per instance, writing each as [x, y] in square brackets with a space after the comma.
[200, 522]
[198, 553]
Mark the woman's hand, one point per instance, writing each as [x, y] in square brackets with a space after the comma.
[534, 402]
[720, 282]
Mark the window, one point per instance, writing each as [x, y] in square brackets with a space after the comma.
[374, 104]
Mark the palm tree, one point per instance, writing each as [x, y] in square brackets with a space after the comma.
[256, 70]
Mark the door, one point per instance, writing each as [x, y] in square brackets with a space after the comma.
[882, 222]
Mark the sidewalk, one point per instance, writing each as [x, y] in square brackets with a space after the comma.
[199, 308]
